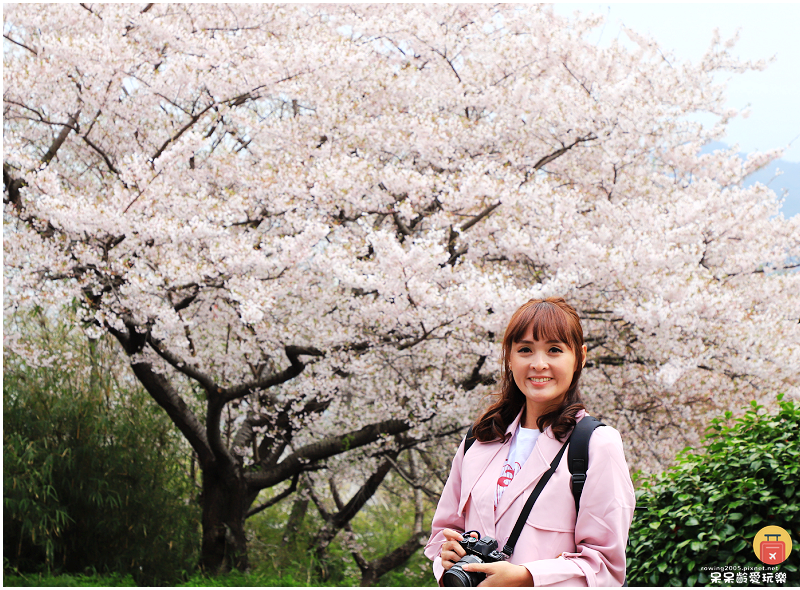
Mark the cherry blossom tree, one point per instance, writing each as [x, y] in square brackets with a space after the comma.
[307, 226]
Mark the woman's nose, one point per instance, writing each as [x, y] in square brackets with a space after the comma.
[539, 362]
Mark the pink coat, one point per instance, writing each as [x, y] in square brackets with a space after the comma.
[557, 550]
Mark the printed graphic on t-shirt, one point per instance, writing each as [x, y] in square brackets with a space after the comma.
[509, 471]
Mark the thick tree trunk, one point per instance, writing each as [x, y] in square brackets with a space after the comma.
[225, 504]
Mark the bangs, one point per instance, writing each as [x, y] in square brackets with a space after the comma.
[549, 323]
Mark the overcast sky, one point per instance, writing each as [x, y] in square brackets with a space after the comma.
[765, 30]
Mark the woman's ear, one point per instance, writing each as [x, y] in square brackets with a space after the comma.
[583, 354]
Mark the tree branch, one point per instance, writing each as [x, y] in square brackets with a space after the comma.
[293, 353]
[371, 571]
[339, 520]
[400, 225]
[90, 10]
[13, 187]
[102, 154]
[479, 216]
[455, 254]
[561, 151]
[20, 44]
[182, 366]
[576, 79]
[186, 301]
[182, 130]
[475, 377]
[161, 390]
[165, 396]
[328, 447]
[61, 138]
[285, 493]
[449, 63]
[362, 496]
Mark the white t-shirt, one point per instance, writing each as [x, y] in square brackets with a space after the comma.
[521, 447]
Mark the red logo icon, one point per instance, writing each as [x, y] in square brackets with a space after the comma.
[772, 545]
[773, 552]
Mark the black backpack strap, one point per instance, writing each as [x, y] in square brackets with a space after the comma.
[578, 456]
[526, 510]
[469, 440]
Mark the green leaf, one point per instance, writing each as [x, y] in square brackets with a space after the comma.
[735, 516]
[754, 519]
[698, 546]
[692, 522]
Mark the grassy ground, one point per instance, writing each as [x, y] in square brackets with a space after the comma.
[97, 580]
[410, 576]
[65, 580]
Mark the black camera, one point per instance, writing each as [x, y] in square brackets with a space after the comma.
[478, 551]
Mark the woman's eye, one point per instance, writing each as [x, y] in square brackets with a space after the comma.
[555, 349]
[524, 349]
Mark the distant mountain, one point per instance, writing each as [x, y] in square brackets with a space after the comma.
[786, 186]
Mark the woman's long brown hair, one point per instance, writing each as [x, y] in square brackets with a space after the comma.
[552, 319]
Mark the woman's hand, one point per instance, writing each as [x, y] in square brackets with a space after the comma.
[451, 550]
[501, 573]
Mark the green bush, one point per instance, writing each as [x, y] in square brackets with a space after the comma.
[94, 475]
[706, 510]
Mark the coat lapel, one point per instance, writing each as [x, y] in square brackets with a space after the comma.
[484, 462]
[538, 463]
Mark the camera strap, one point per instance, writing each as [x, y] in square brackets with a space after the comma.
[526, 510]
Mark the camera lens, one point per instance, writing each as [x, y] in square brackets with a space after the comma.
[456, 576]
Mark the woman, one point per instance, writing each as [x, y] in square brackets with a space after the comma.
[517, 438]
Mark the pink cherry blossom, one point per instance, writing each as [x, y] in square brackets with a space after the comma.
[308, 223]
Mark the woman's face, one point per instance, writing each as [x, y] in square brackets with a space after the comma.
[543, 371]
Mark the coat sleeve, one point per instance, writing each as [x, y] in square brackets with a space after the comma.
[446, 516]
[601, 530]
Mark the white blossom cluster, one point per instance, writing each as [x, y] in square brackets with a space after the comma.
[385, 185]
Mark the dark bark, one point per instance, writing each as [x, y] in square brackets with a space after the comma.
[299, 461]
[224, 506]
[339, 520]
[13, 187]
[162, 392]
[371, 571]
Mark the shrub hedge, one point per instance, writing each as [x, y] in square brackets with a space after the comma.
[704, 512]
